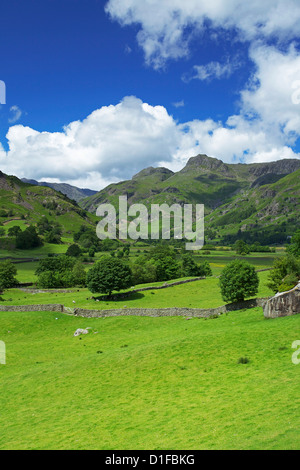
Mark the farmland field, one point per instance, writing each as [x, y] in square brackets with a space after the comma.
[149, 383]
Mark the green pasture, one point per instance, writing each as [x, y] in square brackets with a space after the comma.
[149, 383]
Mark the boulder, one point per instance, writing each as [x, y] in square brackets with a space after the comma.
[283, 304]
[81, 332]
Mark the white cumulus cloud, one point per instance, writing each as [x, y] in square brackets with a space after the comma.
[165, 26]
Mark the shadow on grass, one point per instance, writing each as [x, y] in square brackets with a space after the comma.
[119, 297]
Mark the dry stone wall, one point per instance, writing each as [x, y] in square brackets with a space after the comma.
[147, 312]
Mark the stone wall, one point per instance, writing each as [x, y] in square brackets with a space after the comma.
[32, 308]
[169, 312]
[146, 312]
[284, 304]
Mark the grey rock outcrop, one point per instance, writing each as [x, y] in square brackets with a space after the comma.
[283, 304]
[81, 331]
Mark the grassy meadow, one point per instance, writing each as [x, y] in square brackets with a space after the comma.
[147, 383]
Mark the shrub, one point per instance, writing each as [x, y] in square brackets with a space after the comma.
[238, 281]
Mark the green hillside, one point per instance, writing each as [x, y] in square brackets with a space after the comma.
[24, 204]
[237, 197]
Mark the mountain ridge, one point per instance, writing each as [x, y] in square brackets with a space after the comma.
[73, 192]
[251, 193]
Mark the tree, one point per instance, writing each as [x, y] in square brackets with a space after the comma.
[238, 281]
[13, 231]
[8, 272]
[143, 270]
[73, 250]
[241, 248]
[191, 268]
[109, 274]
[60, 271]
[294, 248]
[164, 259]
[285, 274]
[28, 239]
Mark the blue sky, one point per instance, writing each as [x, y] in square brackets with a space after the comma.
[97, 90]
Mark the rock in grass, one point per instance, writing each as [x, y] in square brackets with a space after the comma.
[80, 331]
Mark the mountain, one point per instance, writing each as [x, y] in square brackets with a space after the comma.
[19, 200]
[71, 191]
[245, 199]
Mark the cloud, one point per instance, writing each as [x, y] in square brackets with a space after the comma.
[110, 144]
[210, 71]
[270, 91]
[178, 104]
[165, 27]
[15, 114]
[117, 141]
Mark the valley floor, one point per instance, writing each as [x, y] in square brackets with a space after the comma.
[149, 383]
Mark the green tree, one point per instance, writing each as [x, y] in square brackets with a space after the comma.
[238, 281]
[60, 271]
[191, 268]
[164, 259]
[58, 264]
[28, 239]
[143, 270]
[241, 248]
[73, 250]
[8, 271]
[294, 248]
[13, 231]
[285, 274]
[109, 274]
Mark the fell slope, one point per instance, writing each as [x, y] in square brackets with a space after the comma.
[19, 200]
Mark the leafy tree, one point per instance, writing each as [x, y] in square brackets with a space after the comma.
[167, 268]
[109, 274]
[164, 258]
[78, 275]
[2, 231]
[204, 269]
[52, 237]
[109, 245]
[238, 281]
[8, 272]
[73, 250]
[13, 231]
[49, 280]
[191, 268]
[143, 270]
[28, 239]
[86, 237]
[60, 271]
[57, 264]
[294, 248]
[285, 274]
[241, 248]
[92, 252]
[126, 250]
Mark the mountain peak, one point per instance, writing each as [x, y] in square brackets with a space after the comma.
[162, 172]
[203, 162]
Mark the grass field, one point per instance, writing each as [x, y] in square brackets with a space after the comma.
[149, 383]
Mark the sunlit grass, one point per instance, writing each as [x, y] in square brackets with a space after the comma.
[149, 383]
